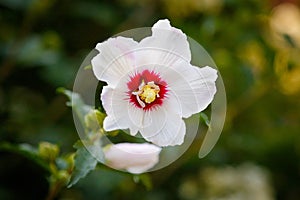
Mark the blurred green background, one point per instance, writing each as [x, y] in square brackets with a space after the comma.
[256, 46]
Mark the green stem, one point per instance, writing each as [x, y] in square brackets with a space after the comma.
[54, 190]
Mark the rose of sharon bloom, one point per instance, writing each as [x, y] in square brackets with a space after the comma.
[133, 157]
[151, 84]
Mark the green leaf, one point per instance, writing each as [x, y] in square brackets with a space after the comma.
[205, 119]
[25, 150]
[76, 103]
[89, 151]
[86, 159]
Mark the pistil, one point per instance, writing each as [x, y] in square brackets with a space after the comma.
[147, 93]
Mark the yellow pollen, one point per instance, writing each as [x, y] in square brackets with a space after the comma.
[148, 94]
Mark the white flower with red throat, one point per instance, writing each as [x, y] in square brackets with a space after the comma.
[152, 85]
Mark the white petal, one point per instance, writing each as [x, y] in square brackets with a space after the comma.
[135, 158]
[166, 46]
[192, 86]
[120, 113]
[112, 121]
[163, 127]
[114, 60]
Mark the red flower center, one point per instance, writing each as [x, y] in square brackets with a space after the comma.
[146, 90]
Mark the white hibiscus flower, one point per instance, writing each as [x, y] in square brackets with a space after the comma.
[133, 157]
[151, 84]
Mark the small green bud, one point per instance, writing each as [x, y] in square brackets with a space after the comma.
[94, 120]
[48, 151]
[63, 176]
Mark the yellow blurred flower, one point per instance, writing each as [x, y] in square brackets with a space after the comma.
[285, 37]
[288, 73]
[254, 55]
[285, 25]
